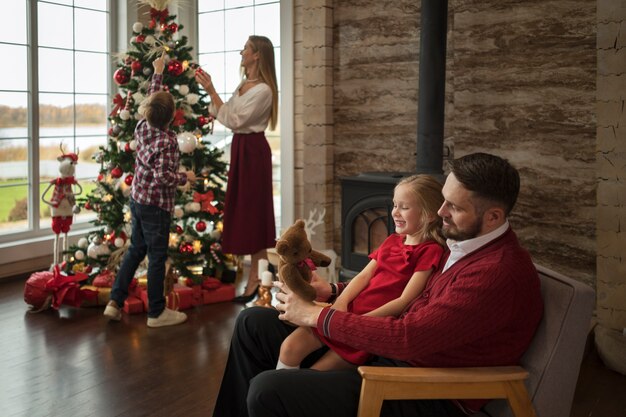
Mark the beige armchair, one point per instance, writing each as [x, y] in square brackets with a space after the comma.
[542, 386]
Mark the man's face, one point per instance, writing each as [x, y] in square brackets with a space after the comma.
[461, 219]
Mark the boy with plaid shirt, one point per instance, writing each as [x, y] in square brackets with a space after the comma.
[152, 203]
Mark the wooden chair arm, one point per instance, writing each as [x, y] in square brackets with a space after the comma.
[393, 383]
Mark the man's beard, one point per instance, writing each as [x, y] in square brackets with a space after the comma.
[452, 232]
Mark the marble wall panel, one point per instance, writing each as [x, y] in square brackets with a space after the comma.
[524, 88]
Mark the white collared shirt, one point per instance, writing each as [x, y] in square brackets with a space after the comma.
[465, 247]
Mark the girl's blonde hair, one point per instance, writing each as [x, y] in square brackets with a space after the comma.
[267, 71]
[427, 192]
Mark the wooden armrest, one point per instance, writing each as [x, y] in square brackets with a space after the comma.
[443, 375]
[393, 383]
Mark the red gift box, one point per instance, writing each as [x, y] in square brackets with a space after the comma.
[181, 298]
[104, 279]
[225, 292]
[102, 298]
[133, 305]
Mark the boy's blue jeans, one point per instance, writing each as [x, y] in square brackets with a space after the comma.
[150, 235]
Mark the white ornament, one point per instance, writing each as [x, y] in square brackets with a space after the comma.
[186, 142]
[150, 40]
[83, 243]
[192, 207]
[119, 242]
[79, 255]
[192, 98]
[178, 212]
[216, 234]
[124, 114]
[94, 250]
[133, 145]
[137, 27]
[183, 89]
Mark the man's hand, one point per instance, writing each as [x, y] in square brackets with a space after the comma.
[294, 309]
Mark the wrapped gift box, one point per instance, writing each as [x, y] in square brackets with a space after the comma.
[133, 305]
[103, 297]
[225, 292]
[181, 298]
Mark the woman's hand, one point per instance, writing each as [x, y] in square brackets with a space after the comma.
[205, 81]
[294, 309]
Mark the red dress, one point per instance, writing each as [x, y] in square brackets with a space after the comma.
[395, 265]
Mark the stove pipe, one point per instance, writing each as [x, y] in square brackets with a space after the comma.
[432, 79]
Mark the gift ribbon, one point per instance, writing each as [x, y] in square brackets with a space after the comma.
[307, 262]
[66, 290]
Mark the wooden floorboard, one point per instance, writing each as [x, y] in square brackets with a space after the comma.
[72, 362]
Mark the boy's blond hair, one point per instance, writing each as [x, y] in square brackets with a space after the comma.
[158, 109]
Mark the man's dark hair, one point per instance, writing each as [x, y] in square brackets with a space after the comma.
[489, 177]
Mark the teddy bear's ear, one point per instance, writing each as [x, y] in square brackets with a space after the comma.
[281, 245]
[299, 223]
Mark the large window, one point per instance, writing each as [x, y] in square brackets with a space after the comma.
[223, 28]
[53, 93]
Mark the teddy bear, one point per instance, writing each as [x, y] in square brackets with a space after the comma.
[297, 260]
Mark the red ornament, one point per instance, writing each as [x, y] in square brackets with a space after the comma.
[121, 76]
[152, 24]
[87, 206]
[129, 179]
[202, 121]
[186, 248]
[175, 68]
[100, 177]
[179, 230]
[135, 66]
[173, 27]
[201, 226]
[140, 38]
[188, 282]
[116, 172]
[127, 147]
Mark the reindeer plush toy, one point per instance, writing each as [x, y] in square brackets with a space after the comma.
[63, 201]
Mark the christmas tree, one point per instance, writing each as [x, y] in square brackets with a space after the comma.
[194, 247]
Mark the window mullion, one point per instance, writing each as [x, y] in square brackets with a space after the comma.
[33, 119]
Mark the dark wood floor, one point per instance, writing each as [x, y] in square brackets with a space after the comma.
[71, 362]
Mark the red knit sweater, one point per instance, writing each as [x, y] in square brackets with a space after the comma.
[483, 311]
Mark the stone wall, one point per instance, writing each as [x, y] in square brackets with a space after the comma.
[611, 167]
[523, 80]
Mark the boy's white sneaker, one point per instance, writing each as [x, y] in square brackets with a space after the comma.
[167, 318]
[113, 311]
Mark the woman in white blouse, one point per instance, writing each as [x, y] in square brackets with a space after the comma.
[248, 209]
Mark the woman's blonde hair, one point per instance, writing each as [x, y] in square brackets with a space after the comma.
[267, 71]
[427, 192]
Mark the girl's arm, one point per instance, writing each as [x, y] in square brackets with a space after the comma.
[356, 285]
[413, 288]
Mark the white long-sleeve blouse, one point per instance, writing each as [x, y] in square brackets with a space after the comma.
[248, 112]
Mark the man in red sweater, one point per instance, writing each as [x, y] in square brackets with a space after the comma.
[481, 307]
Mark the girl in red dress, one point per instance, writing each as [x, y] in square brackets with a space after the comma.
[395, 276]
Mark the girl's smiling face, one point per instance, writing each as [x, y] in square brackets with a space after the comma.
[407, 214]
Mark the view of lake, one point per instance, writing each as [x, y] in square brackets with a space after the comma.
[86, 137]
